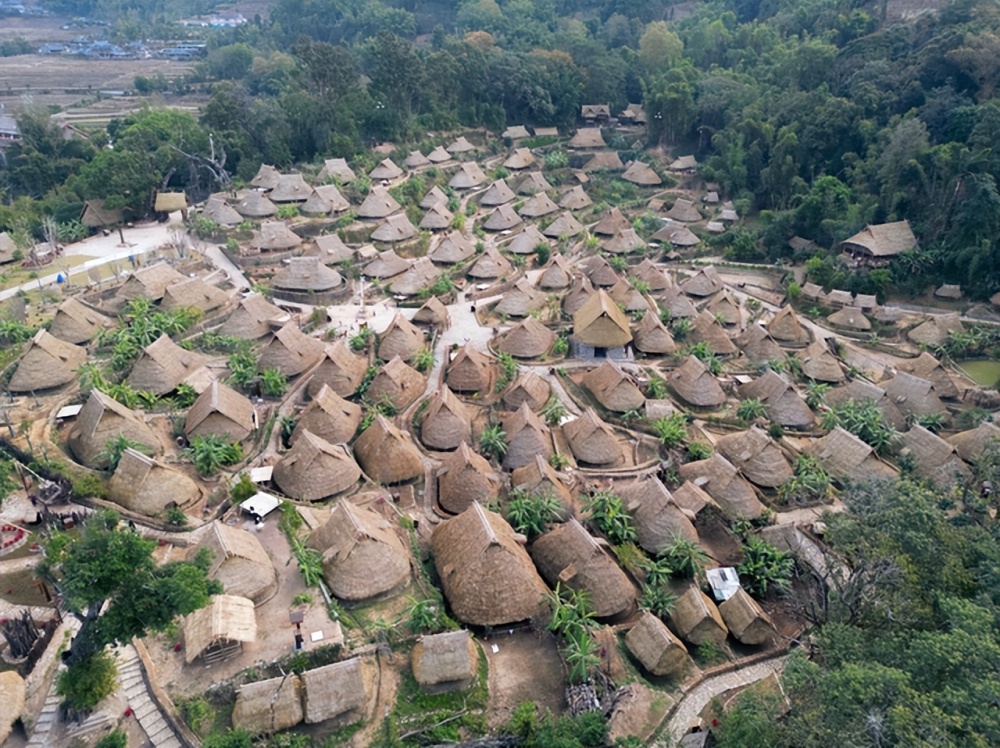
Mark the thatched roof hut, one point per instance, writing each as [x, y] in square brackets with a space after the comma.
[149, 282]
[255, 204]
[194, 293]
[845, 457]
[539, 478]
[521, 158]
[611, 223]
[460, 145]
[398, 383]
[163, 365]
[418, 277]
[783, 402]
[756, 455]
[706, 282]
[971, 444]
[445, 662]
[434, 196]
[757, 346]
[913, 396]
[503, 218]
[396, 228]
[679, 305]
[683, 163]
[575, 198]
[692, 499]
[436, 218]
[386, 265]
[47, 363]
[305, 275]
[145, 486]
[746, 620]
[239, 562]
[564, 225]
[601, 323]
[613, 388]
[526, 242]
[363, 556]
[580, 291]
[861, 390]
[697, 620]
[623, 242]
[659, 651]
[337, 691]
[325, 199]
[538, 205]
[401, 338]
[721, 480]
[101, 420]
[527, 436]
[490, 265]
[935, 331]
[651, 337]
[470, 370]
[533, 183]
[387, 454]
[378, 204]
[659, 520]
[336, 168]
[707, 329]
[220, 411]
[468, 176]
[269, 706]
[439, 155]
[851, 319]
[220, 212]
[600, 272]
[464, 477]
[604, 161]
[527, 388]
[416, 159]
[433, 313]
[642, 174]
[340, 369]
[696, 384]
[451, 248]
[226, 621]
[330, 417]
[933, 458]
[521, 300]
[291, 351]
[516, 132]
[568, 554]
[587, 137]
[314, 469]
[275, 235]
[556, 275]
[254, 318]
[726, 308]
[625, 295]
[927, 367]
[12, 694]
[881, 240]
[386, 169]
[446, 421]
[497, 194]
[529, 338]
[267, 177]
[820, 364]
[331, 250]
[785, 328]
[75, 322]
[291, 188]
[652, 275]
[592, 441]
[684, 210]
[97, 215]
[486, 574]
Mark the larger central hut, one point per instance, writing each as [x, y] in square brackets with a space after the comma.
[601, 324]
[488, 577]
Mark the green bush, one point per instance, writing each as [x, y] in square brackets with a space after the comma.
[84, 684]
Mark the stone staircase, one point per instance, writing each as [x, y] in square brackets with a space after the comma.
[133, 687]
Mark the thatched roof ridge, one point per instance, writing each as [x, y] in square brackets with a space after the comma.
[336, 690]
[460, 145]
[497, 194]
[291, 188]
[75, 322]
[194, 293]
[446, 422]
[845, 457]
[470, 370]
[882, 240]
[163, 365]
[419, 276]
[683, 163]
[439, 155]
[386, 169]
[291, 351]
[434, 196]
[401, 338]
[520, 300]
[239, 562]
[706, 329]
[325, 199]
[329, 416]
[527, 388]
[451, 248]
[850, 318]
[971, 444]
[47, 363]
[745, 619]
[785, 328]
[336, 167]
[696, 618]
[444, 659]
[532, 183]
[396, 228]
[486, 574]
[149, 282]
[267, 177]
[397, 382]
[220, 212]
[529, 338]
[503, 218]
[433, 312]
[339, 368]
[696, 384]
[652, 275]
[254, 318]
[705, 282]
[580, 290]
[331, 250]
[862, 390]
[600, 272]
[575, 199]
[611, 223]
[378, 204]
[564, 225]
[651, 336]
[691, 498]
[557, 274]
[592, 441]
[604, 160]
[143, 485]
[613, 388]
[465, 476]
[468, 176]
[679, 305]
[927, 367]
[587, 137]
[97, 215]
[783, 402]
[642, 174]
[314, 469]
[820, 364]
[305, 274]
[491, 264]
[538, 477]
[684, 210]
[726, 307]
[601, 323]
[387, 454]
[721, 480]
[913, 395]
[757, 457]
[659, 520]
[225, 618]
[521, 158]
[255, 204]
[527, 436]
[538, 205]
[387, 265]
[757, 345]
[652, 643]
[934, 459]
[570, 555]
[415, 159]
[220, 411]
[516, 132]
[275, 235]
[625, 241]
[102, 419]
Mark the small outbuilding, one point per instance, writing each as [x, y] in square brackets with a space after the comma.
[653, 645]
[445, 662]
[219, 630]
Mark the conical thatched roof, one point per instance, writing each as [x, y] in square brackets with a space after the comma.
[600, 272]
[12, 694]
[651, 337]
[433, 313]
[220, 212]
[255, 205]
[445, 662]
[330, 417]
[331, 249]
[679, 305]
[913, 396]
[490, 264]
[725, 307]
[387, 454]
[526, 241]
[226, 618]
[220, 411]
[378, 204]
[398, 383]
[520, 300]
[437, 217]
[624, 294]
[564, 225]
[587, 137]
[387, 265]
[783, 402]
[460, 145]
[47, 363]
[692, 499]
[239, 562]
[100, 421]
[145, 486]
[445, 422]
[503, 218]
[363, 556]
[569, 555]
[705, 282]
[267, 178]
[386, 169]
[575, 199]
[434, 196]
[556, 275]
[785, 328]
[336, 168]
[254, 318]
[706, 329]
[642, 174]
[652, 275]
[684, 210]
[611, 223]
[439, 155]
[934, 332]
[756, 455]
[604, 161]
[659, 520]
[498, 194]
[971, 444]
[745, 619]
[933, 458]
[592, 441]
[697, 620]
[652, 644]
[850, 318]
[149, 282]
[313, 469]
[845, 457]
[532, 183]
[539, 478]
[75, 322]
[819, 364]
[580, 291]
[325, 199]
[486, 574]
[625, 241]
[464, 477]
[862, 390]
[613, 388]
[601, 323]
[521, 158]
[305, 274]
[757, 346]
[268, 706]
[339, 690]
[416, 159]
[468, 176]
[163, 365]
[401, 338]
[275, 235]
[527, 436]
[696, 384]
[340, 369]
[529, 338]
[395, 228]
[451, 248]
[538, 205]
[721, 480]
[291, 188]
[194, 293]
[291, 351]
[527, 388]
[470, 371]
[927, 367]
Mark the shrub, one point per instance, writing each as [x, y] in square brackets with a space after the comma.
[531, 514]
[671, 430]
[84, 684]
[608, 513]
[699, 451]
[764, 567]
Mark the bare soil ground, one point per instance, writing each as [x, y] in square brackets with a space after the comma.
[525, 668]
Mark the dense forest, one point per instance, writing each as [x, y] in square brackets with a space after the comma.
[817, 117]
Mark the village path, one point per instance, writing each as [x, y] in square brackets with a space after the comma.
[691, 703]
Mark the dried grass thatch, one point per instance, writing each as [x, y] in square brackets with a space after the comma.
[587, 137]
[592, 441]
[503, 218]
[100, 421]
[386, 265]
[914, 396]
[226, 619]
[401, 338]
[398, 383]
[697, 620]
[785, 328]
[642, 174]
[486, 574]
[757, 346]
[612, 222]
[746, 620]
[451, 248]
[756, 455]
[556, 275]
[291, 351]
[340, 369]
[387, 454]
[255, 205]
[696, 384]
[331, 250]
[601, 323]
[330, 417]
[625, 295]
[75, 322]
[291, 188]
[613, 388]
[538, 205]
[845, 457]
[706, 329]
[446, 421]
[419, 277]
[434, 196]
[933, 458]
[520, 300]
[305, 275]
[674, 301]
[220, 411]
[575, 198]
[464, 477]
[145, 486]
[386, 169]
[604, 161]
[436, 218]
[416, 159]
[47, 363]
[527, 436]
[470, 371]
[378, 204]
[625, 241]
[275, 235]
[851, 319]
[526, 242]
[971, 444]
[339, 690]
[468, 176]
[651, 337]
[565, 225]
[12, 694]
[862, 390]
[194, 293]
[163, 365]
[220, 212]
[521, 158]
[395, 228]
[323, 200]
[490, 265]
[581, 290]
[527, 388]
[783, 402]
[706, 282]
[336, 168]
[721, 480]
[539, 478]
[239, 562]
[882, 240]
[314, 469]
[439, 155]
[936, 330]
[927, 367]
[529, 338]
[254, 318]
[820, 364]
[433, 313]
[269, 706]
[659, 519]
[445, 662]
[497, 194]
[684, 210]
[267, 177]
[149, 282]
[659, 651]
[600, 272]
